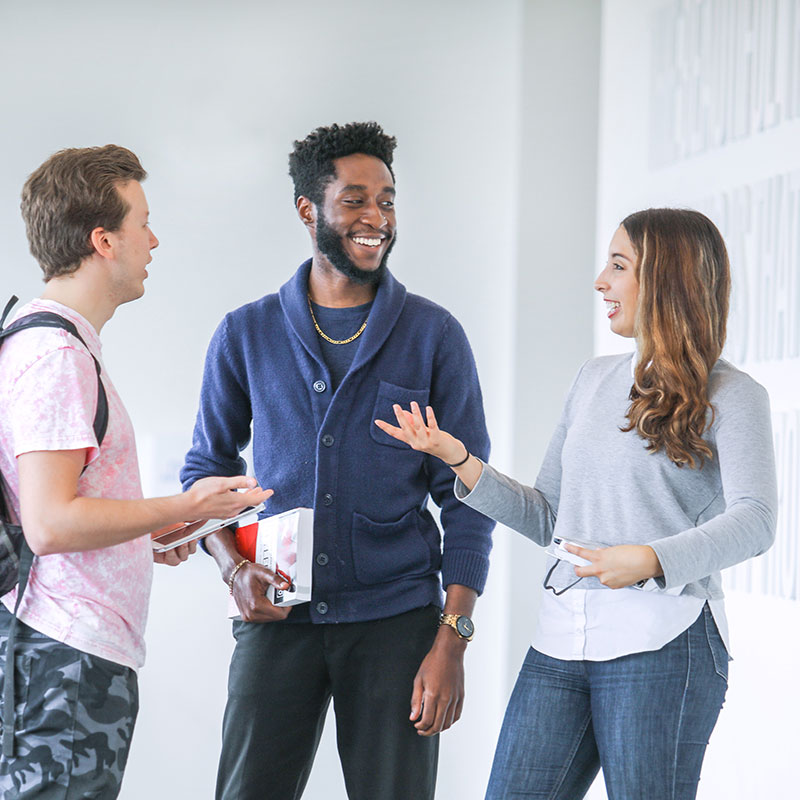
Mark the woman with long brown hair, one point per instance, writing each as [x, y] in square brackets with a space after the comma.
[659, 474]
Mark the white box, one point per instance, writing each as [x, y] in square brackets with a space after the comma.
[285, 543]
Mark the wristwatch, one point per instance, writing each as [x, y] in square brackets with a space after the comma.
[461, 624]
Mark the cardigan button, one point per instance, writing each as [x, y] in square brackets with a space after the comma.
[322, 559]
[322, 608]
[327, 499]
[328, 440]
[320, 386]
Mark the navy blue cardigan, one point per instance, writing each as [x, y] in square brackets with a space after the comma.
[378, 549]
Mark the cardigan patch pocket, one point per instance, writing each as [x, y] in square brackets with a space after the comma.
[388, 394]
[386, 551]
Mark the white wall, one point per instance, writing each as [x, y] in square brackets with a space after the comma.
[496, 114]
[211, 96]
[555, 213]
[700, 107]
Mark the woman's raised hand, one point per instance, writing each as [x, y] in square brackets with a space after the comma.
[428, 438]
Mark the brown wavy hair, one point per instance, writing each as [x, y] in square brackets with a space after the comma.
[684, 287]
[71, 194]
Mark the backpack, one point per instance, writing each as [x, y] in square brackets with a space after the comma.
[16, 557]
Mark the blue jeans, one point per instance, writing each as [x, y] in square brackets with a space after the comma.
[645, 718]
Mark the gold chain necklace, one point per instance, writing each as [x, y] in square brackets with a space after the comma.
[328, 338]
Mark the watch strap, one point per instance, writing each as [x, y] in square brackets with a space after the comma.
[451, 620]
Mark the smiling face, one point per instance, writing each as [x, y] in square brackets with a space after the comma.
[619, 285]
[132, 245]
[356, 225]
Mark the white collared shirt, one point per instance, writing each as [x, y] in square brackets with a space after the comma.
[601, 624]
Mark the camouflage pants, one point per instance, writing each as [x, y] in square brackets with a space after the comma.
[75, 717]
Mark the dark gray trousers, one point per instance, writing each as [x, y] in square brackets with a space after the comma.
[282, 679]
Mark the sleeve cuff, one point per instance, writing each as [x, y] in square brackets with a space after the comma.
[671, 577]
[466, 568]
[459, 488]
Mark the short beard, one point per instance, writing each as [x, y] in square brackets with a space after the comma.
[330, 245]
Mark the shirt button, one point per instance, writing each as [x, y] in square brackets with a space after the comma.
[327, 499]
[328, 440]
[320, 386]
[322, 608]
[322, 559]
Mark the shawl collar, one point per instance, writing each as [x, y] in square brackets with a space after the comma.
[386, 308]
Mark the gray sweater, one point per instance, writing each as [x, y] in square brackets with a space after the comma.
[600, 485]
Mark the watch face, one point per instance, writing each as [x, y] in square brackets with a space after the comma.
[465, 627]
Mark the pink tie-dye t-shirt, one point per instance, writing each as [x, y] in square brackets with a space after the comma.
[96, 600]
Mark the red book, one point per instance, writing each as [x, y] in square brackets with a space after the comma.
[283, 543]
[246, 540]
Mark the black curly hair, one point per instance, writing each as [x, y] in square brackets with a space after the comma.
[311, 162]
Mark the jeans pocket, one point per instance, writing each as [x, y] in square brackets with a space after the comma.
[718, 650]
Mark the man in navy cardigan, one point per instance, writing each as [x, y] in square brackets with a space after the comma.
[311, 368]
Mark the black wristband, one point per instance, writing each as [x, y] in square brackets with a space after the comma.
[463, 460]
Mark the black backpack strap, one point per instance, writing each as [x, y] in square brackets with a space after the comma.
[48, 319]
[39, 319]
[9, 305]
[9, 711]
